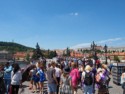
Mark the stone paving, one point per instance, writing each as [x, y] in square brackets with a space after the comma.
[114, 89]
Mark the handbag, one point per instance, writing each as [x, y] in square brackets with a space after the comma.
[123, 85]
[10, 89]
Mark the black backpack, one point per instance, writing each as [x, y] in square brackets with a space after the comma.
[88, 78]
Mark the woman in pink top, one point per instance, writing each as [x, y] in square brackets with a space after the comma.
[75, 77]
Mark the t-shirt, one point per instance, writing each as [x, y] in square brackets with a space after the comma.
[66, 81]
[33, 72]
[16, 78]
[58, 72]
[50, 73]
[40, 71]
[7, 72]
[75, 76]
[42, 75]
[97, 61]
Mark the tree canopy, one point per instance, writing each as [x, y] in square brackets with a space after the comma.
[14, 47]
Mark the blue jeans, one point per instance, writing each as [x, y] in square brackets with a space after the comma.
[7, 84]
[88, 89]
[52, 88]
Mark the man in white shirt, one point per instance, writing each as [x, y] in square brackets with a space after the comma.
[58, 74]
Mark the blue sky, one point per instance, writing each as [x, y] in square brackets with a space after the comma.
[60, 23]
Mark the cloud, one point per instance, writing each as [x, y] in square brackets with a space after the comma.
[108, 41]
[74, 14]
[81, 45]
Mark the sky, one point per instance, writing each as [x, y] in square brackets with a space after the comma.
[58, 24]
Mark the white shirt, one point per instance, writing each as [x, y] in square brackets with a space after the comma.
[58, 72]
[16, 78]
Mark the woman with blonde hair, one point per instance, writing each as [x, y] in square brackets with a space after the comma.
[75, 76]
[88, 79]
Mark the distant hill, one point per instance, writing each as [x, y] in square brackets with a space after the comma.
[11, 46]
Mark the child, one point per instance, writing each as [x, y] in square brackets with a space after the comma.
[41, 75]
[34, 78]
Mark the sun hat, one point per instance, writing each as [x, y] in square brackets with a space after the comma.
[66, 69]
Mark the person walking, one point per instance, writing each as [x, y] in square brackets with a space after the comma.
[101, 82]
[16, 79]
[88, 79]
[52, 81]
[7, 76]
[123, 81]
[98, 63]
[58, 74]
[94, 71]
[81, 69]
[106, 73]
[65, 82]
[74, 77]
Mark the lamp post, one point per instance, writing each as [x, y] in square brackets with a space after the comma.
[105, 48]
[93, 48]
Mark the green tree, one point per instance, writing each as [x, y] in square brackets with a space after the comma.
[37, 52]
[55, 54]
[28, 57]
[123, 50]
[116, 58]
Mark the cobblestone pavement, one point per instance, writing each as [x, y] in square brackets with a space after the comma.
[114, 89]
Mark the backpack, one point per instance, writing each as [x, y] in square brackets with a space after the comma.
[88, 78]
[103, 83]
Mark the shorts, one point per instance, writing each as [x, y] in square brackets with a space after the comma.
[31, 78]
[52, 88]
[36, 79]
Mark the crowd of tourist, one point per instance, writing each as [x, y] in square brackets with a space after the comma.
[63, 77]
[10, 78]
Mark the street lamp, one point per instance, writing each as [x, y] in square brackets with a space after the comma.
[93, 48]
[105, 48]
